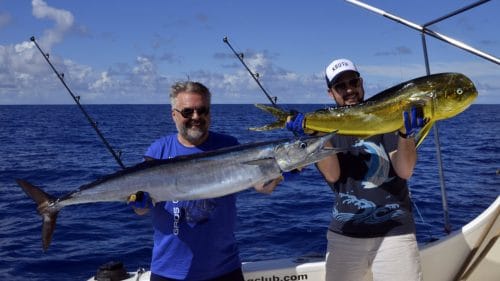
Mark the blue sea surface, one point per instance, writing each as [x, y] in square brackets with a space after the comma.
[54, 147]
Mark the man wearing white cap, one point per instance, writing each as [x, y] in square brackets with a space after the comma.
[344, 83]
[372, 232]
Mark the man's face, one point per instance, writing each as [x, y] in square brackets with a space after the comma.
[191, 114]
[347, 89]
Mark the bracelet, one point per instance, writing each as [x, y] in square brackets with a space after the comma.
[405, 136]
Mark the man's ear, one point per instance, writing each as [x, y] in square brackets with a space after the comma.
[330, 93]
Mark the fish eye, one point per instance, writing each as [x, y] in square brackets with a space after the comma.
[302, 145]
[459, 91]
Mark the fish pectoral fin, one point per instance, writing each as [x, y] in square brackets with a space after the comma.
[419, 101]
[419, 138]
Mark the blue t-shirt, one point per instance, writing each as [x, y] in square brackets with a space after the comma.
[193, 240]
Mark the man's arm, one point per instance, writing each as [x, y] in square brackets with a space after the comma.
[404, 158]
[329, 167]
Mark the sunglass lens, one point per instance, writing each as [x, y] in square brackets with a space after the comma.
[187, 112]
[354, 82]
[342, 86]
[202, 110]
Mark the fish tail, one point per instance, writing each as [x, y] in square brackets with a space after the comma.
[45, 207]
[280, 115]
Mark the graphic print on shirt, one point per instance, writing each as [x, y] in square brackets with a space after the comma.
[368, 212]
[378, 165]
[363, 211]
[192, 211]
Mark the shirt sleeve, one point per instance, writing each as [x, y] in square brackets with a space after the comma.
[390, 141]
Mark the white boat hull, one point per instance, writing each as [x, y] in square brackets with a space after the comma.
[471, 253]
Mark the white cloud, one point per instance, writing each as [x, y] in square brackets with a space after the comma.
[103, 83]
[24, 70]
[25, 74]
[63, 19]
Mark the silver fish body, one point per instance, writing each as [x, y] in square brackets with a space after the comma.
[198, 176]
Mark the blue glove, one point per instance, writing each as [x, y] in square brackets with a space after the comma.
[140, 200]
[415, 123]
[295, 124]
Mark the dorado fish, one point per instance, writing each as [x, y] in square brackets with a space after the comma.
[197, 176]
[440, 96]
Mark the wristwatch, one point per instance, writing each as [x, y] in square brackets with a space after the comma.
[406, 136]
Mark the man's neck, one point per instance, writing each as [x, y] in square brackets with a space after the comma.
[188, 143]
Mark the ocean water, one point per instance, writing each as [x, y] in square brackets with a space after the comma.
[54, 147]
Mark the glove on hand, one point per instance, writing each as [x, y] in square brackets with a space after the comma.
[295, 124]
[140, 200]
[415, 123]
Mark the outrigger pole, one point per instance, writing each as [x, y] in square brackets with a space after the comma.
[254, 75]
[77, 100]
[424, 30]
[434, 34]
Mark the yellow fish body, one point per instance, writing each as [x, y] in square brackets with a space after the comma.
[440, 96]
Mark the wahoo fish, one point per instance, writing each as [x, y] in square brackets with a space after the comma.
[440, 96]
[197, 176]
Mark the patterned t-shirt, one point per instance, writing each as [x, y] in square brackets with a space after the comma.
[371, 200]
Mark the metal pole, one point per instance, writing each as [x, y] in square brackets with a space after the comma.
[473, 5]
[427, 31]
[444, 196]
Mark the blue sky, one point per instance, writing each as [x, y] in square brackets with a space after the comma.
[131, 51]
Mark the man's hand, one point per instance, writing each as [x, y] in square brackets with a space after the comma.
[413, 121]
[139, 200]
[295, 123]
[268, 187]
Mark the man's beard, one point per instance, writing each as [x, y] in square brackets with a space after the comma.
[192, 134]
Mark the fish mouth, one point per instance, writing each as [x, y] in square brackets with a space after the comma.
[317, 150]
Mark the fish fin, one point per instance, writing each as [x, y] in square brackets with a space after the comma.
[278, 113]
[419, 138]
[48, 212]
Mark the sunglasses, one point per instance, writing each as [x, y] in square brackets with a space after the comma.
[342, 86]
[188, 112]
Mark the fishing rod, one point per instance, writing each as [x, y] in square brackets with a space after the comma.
[255, 76]
[77, 100]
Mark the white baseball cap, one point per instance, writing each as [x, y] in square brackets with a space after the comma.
[336, 67]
